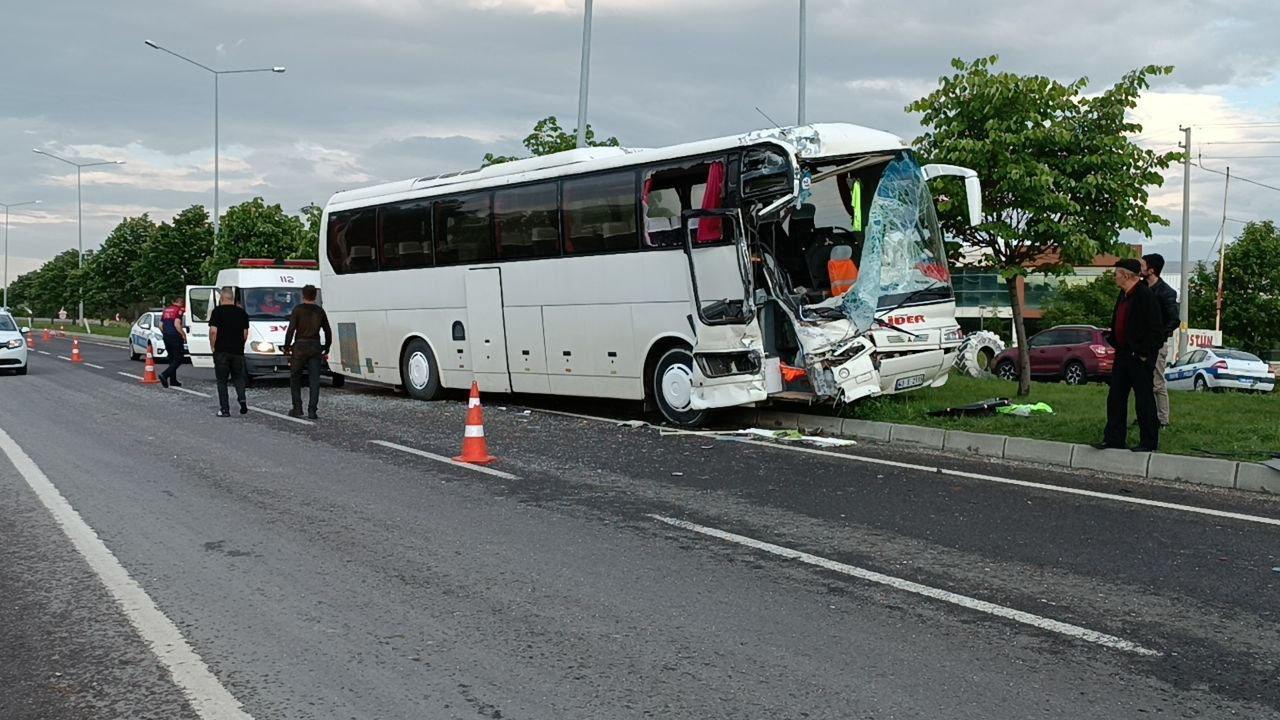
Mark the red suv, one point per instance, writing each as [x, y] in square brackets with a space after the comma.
[1074, 353]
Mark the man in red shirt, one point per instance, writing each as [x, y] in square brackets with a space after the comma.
[175, 336]
[1137, 333]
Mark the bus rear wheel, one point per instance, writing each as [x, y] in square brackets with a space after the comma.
[671, 387]
[418, 371]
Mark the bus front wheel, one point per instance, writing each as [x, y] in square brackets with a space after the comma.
[671, 387]
[418, 371]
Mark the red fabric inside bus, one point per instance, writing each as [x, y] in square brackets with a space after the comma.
[709, 229]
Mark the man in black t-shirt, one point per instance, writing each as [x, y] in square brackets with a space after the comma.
[228, 332]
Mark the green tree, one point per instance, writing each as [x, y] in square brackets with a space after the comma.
[174, 255]
[1059, 170]
[1088, 303]
[53, 288]
[1251, 290]
[547, 138]
[111, 277]
[254, 229]
[309, 242]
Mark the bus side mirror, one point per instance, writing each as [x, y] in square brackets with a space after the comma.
[972, 186]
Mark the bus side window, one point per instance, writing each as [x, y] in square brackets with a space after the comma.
[405, 234]
[462, 230]
[526, 221]
[600, 214]
[670, 191]
[352, 238]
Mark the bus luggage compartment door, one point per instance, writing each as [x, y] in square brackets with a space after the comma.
[486, 330]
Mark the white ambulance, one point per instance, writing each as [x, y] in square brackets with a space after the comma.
[268, 290]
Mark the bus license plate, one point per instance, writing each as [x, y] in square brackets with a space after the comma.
[909, 382]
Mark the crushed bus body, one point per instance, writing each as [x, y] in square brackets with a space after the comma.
[796, 262]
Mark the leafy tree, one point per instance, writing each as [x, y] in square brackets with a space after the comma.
[1088, 303]
[111, 277]
[254, 229]
[53, 288]
[20, 292]
[174, 255]
[309, 242]
[547, 138]
[1059, 171]
[1251, 290]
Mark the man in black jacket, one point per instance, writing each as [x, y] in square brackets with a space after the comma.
[1152, 267]
[1137, 332]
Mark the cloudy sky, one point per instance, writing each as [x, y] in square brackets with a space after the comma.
[380, 90]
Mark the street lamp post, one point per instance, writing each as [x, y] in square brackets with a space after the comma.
[6, 207]
[79, 214]
[801, 80]
[584, 75]
[216, 75]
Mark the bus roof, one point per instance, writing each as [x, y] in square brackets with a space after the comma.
[810, 142]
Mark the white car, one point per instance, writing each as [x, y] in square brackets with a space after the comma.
[146, 331]
[1218, 369]
[13, 346]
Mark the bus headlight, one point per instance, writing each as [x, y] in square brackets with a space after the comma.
[260, 346]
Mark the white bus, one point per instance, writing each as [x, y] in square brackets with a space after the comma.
[694, 277]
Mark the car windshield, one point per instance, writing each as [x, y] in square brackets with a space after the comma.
[270, 303]
[6, 324]
[1237, 355]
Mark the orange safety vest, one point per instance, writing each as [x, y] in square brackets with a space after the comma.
[843, 274]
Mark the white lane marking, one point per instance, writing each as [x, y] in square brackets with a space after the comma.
[965, 601]
[282, 416]
[443, 459]
[64, 357]
[44, 352]
[96, 367]
[190, 392]
[208, 697]
[577, 415]
[1028, 484]
[130, 375]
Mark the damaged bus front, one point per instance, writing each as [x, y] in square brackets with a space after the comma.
[847, 289]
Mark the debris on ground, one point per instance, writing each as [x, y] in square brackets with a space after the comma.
[797, 436]
[1026, 410]
[978, 409]
[632, 423]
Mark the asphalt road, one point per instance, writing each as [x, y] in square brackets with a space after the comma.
[613, 572]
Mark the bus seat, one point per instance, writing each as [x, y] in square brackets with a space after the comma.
[841, 270]
[545, 242]
[411, 253]
[361, 257]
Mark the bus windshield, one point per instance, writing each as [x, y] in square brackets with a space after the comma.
[270, 303]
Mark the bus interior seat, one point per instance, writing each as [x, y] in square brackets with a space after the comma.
[411, 253]
[361, 257]
[841, 269]
[546, 242]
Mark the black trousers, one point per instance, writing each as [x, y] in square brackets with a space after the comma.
[229, 366]
[1131, 374]
[305, 358]
[175, 354]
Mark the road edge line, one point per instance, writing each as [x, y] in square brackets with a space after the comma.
[446, 460]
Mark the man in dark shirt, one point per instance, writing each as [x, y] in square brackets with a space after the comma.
[175, 337]
[1137, 332]
[1152, 266]
[306, 350]
[228, 332]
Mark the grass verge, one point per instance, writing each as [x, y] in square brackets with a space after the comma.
[1230, 425]
[119, 331]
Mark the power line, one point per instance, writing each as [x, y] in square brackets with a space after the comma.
[1242, 142]
[1244, 124]
[1237, 157]
[1237, 177]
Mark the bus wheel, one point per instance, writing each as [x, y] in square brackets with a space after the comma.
[672, 388]
[338, 380]
[418, 372]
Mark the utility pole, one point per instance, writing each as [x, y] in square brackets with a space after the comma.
[1222, 254]
[800, 118]
[1184, 284]
[584, 76]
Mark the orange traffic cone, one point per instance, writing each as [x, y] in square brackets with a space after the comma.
[474, 449]
[149, 371]
[45, 336]
[75, 351]
[31, 341]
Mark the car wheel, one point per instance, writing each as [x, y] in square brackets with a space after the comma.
[338, 380]
[1006, 370]
[1200, 384]
[133, 352]
[419, 373]
[671, 387]
[1075, 374]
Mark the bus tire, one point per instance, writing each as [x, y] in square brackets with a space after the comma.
[671, 385]
[338, 380]
[419, 373]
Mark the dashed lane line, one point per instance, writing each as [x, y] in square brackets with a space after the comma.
[208, 697]
[129, 375]
[446, 460]
[64, 357]
[1026, 618]
[96, 367]
[282, 416]
[44, 352]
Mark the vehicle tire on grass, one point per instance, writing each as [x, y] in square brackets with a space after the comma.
[1200, 384]
[419, 373]
[671, 386]
[976, 353]
[1006, 370]
[1075, 374]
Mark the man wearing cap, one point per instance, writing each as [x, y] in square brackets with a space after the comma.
[1137, 334]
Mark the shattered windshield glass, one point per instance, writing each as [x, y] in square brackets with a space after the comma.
[903, 258]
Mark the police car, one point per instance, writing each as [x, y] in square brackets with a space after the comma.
[146, 331]
[1218, 369]
[13, 346]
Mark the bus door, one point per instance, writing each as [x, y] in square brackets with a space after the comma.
[201, 300]
[486, 330]
[727, 341]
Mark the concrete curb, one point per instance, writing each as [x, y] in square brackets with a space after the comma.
[1254, 477]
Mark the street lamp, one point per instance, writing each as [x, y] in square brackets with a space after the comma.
[79, 212]
[801, 80]
[584, 75]
[6, 207]
[216, 74]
